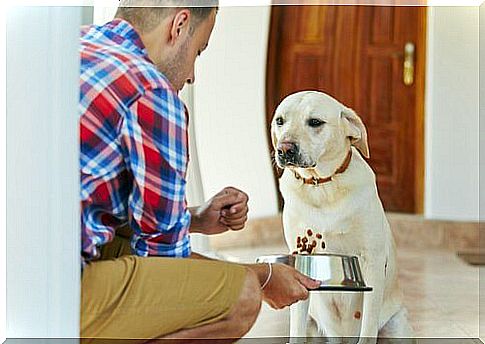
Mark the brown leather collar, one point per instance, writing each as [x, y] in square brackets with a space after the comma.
[318, 181]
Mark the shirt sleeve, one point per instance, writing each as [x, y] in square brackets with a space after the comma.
[154, 135]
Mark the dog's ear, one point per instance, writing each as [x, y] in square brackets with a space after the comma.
[356, 131]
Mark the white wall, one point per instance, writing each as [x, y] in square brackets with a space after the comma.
[195, 190]
[230, 108]
[452, 126]
[3, 182]
[43, 231]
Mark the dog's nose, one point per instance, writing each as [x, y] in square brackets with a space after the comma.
[287, 150]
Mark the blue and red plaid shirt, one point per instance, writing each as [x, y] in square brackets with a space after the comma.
[134, 148]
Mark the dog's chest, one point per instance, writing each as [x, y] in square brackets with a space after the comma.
[317, 232]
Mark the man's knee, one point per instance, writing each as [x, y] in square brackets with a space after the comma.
[247, 308]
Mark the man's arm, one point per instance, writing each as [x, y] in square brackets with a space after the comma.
[285, 285]
[154, 136]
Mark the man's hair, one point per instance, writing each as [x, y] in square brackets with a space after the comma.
[145, 15]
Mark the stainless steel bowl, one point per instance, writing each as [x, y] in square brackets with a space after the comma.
[337, 272]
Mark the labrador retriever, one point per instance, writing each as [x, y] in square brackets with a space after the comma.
[328, 186]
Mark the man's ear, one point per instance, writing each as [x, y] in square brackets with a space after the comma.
[356, 131]
[180, 24]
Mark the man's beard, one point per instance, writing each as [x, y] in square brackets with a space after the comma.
[174, 68]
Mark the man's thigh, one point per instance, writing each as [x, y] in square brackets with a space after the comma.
[137, 297]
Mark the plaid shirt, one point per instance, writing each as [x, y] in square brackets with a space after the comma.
[134, 149]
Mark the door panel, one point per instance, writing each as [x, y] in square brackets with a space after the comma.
[356, 54]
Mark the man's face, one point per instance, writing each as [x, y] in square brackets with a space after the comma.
[179, 69]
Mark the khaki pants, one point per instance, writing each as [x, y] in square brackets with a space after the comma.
[129, 297]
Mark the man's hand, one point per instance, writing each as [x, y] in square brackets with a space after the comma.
[227, 210]
[286, 285]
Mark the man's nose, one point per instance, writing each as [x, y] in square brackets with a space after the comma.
[191, 78]
[287, 150]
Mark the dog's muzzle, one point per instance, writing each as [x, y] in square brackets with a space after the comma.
[288, 153]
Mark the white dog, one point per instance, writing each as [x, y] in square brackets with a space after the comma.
[328, 187]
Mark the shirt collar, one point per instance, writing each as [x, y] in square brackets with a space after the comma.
[123, 33]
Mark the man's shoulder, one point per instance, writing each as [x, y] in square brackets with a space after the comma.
[119, 69]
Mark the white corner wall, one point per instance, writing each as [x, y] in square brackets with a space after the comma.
[229, 104]
[43, 231]
[452, 103]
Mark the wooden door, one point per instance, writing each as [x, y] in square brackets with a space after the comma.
[356, 54]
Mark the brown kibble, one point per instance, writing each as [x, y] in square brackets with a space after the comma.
[314, 243]
[298, 240]
[357, 315]
[303, 247]
[298, 245]
[304, 240]
[309, 232]
[319, 236]
[323, 244]
[295, 252]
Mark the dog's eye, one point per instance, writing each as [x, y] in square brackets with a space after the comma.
[315, 123]
[279, 121]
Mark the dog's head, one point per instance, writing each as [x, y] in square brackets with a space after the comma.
[311, 127]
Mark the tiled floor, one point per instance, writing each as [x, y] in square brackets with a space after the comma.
[440, 293]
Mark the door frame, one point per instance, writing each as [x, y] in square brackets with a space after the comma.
[421, 58]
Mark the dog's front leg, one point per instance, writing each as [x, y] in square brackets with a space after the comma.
[299, 321]
[372, 305]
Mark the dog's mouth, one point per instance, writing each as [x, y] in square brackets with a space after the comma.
[294, 163]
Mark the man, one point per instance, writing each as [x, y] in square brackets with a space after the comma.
[134, 156]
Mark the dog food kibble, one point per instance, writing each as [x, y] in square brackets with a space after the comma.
[357, 315]
[306, 244]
